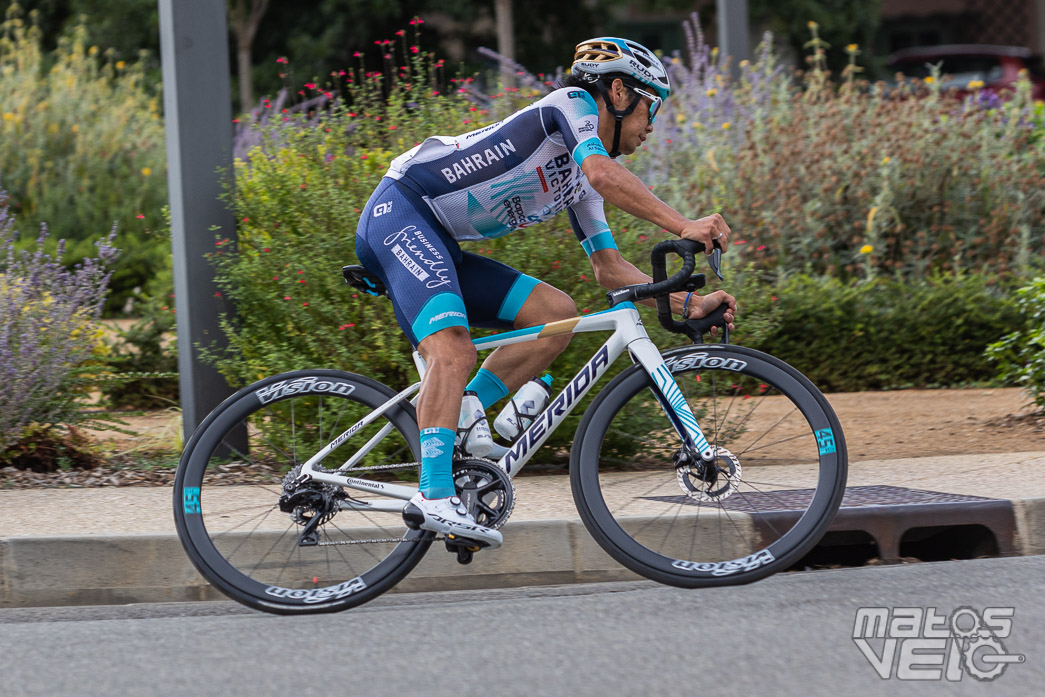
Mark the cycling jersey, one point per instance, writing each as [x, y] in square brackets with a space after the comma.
[480, 185]
[514, 173]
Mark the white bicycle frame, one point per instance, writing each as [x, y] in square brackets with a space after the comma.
[628, 333]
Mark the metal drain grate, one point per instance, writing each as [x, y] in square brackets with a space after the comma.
[798, 499]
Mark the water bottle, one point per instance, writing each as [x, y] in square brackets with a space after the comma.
[528, 402]
[478, 441]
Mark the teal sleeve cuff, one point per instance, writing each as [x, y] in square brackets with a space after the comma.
[592, 146]
[602, 240]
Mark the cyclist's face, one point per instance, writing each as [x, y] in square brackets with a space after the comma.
[634, 128]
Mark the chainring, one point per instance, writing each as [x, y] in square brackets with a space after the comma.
[485, 490]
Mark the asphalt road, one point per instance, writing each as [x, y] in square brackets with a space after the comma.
[789, 635]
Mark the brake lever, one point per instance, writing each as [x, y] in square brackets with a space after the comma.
[715, 260]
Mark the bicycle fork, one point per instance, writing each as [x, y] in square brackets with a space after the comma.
[671, 399]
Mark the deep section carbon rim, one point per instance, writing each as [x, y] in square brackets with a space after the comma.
[227, 495]
[776, 483]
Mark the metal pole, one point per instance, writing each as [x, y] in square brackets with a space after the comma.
[733, 32]
[198, 116]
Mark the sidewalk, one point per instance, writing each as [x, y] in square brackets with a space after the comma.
[118, 545]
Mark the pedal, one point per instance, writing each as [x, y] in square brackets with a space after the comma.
[463, 547]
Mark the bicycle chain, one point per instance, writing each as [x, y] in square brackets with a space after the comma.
[375, 468]
[371, 542]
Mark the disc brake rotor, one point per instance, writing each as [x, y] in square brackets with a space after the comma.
[710, 481]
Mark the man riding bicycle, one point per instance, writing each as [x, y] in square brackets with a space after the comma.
[556, 154]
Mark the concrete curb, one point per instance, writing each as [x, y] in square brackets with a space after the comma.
[119, 569]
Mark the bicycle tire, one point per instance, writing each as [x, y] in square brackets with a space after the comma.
[236, 535]
[779, 507]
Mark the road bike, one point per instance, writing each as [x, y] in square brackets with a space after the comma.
[705, 465]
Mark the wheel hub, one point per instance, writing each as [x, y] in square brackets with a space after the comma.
[708, 480]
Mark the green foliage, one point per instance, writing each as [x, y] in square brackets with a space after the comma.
[849, 180]
[82, 146]
[144, 364]
[1020, 356]
[887, 333]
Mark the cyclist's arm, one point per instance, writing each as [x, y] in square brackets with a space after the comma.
[613, 271]
[626, 191]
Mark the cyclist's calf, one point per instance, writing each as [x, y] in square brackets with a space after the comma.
[450, 357]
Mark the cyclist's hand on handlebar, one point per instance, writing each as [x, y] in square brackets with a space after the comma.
[707, 231]
[709, 303]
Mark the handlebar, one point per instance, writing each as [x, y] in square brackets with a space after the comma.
[683, 280]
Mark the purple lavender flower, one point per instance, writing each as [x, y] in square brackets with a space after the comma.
[48, 315]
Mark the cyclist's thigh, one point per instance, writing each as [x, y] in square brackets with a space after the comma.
[493, 292]
[401, 241]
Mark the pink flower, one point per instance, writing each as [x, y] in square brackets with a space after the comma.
[140, 216]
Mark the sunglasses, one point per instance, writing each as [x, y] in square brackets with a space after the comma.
[655, 103]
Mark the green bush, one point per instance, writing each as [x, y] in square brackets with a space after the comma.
[81, 146]
[852, 180]
[1020, 356]
[889, 333]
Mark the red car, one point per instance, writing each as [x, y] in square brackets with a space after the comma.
[997, 66]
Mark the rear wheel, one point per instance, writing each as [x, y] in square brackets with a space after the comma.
[775, 484]
[246, 457]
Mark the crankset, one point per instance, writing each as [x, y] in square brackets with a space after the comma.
[707, 480]
[488, 494]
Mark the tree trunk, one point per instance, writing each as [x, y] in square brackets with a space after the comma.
[505, 37]
[244, 24]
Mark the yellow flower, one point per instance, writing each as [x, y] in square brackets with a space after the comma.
[696, 124]
[930, 80]
[120, 65]
[725, 126]
[745, 63]
[852, 48]
[711, 92]
[146, 171]
[811, 24]
[8, 116]
[92, 51]
[975, 84]
[885, 160]
[680, 118]
[866, 249]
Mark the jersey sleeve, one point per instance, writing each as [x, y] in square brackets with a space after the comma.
[572, 113]
[588, 218]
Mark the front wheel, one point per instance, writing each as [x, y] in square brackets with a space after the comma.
[279, 546]
[767, 498]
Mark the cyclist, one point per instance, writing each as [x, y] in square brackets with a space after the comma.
[554, 155]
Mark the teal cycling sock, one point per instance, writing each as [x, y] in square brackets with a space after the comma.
[487, 387]
[437, 451]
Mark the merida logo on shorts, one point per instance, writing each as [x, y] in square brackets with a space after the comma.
[444, 315]
[473, 163]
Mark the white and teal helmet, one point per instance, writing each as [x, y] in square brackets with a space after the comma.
[610, 57]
